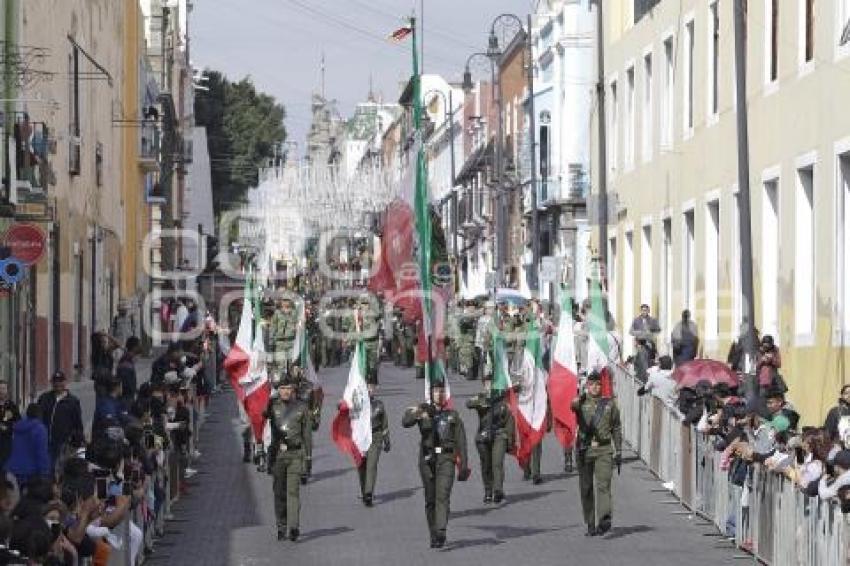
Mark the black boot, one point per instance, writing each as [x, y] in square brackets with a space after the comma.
[488, 497]
[498, 497]
[604, 526]
[281, 533]
[367, 500]
[293, 534]
[440, 541]
[591, 531]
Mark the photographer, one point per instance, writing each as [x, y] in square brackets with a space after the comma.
[769, 363]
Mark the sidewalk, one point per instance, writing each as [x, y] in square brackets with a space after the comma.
[84, 389]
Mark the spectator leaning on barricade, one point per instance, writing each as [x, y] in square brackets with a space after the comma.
[838, 418]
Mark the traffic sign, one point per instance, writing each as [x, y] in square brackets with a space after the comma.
[548, 268]
[26, 242]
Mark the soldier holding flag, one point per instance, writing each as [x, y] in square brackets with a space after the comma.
[442, 446]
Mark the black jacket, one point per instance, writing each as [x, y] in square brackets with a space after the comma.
[834, 415]
[61, 419]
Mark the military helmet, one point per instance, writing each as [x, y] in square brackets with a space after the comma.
[594, 376]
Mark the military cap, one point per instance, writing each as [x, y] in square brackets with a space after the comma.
[594, 376]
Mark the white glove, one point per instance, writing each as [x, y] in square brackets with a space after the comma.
[171, 377]
[189, 373]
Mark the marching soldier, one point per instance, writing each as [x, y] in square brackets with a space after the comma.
[290, 426]
[310, 396]
[442, 443]
[370, 336]
[466, 341]
[599, 449]
[368, 469]
[493, 440]
[282, 331]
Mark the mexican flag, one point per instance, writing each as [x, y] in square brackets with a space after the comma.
[530, 403]
[301, 348]
[245, 363]
[352, 427]
[255, 384]
[238, 360]
[501, 374]
[598, 346]
[563, 378]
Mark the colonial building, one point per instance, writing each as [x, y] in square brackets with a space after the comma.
[672, 164]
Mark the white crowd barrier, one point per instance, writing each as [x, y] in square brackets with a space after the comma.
[771, 519]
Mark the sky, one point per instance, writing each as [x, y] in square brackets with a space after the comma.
[279, 44]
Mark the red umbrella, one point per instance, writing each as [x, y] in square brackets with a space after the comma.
[690, 373]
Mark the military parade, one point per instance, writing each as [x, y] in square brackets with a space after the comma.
[486, 340]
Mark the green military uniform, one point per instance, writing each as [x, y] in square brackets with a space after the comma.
[283, 328]
[370, 336]
[494, 439]
[368, 470]
[443, 440]
[599, 447]
[466, 344]
[308, 395]
[290, 426]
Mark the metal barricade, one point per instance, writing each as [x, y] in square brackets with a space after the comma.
[770, 518]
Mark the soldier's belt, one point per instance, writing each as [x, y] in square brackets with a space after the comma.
[284, 447]
[598, 443]
[441, 450]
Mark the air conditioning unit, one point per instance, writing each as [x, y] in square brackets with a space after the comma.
[74, 155]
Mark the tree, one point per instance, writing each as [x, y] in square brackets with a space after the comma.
[243, 129]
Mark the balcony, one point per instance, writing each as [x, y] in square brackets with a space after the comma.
[149, 149]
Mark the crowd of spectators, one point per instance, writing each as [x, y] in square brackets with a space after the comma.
[754, 425]
[63, 492]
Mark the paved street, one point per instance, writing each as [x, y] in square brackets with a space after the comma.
[228, 517]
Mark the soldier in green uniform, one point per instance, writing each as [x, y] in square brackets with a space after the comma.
[307, 394]
[493, 440]
[599, 449]
[290, 425]
[368, 470]
[282, 331]
[370, 322]
[466, 341]
[442, 444]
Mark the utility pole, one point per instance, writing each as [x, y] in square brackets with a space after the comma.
[603, 143]
[501, 229]
[745, 217]
[532, 147]
[451, 117]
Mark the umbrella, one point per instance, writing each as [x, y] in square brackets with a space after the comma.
[712, 371]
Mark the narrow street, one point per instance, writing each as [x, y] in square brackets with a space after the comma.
[228, 517]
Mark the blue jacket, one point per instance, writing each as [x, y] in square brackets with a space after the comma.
[29, 457]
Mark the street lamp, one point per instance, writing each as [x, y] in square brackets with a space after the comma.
[494, 52]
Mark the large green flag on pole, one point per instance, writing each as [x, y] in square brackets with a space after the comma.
[421, 213]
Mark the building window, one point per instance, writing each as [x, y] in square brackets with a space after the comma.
[712, 267]
[771, 40]
[646, 113]
[643, 7]
[713, 59]
[646, 265]
[611, 269]
[628, 285]
[770, 258]
[808, 19]
[667, 273]
[630, 119]
[688, 261]
[842, 23]
[614, 130]
[842, 268]
[804, 257]
[667, 101]
[688, 107]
